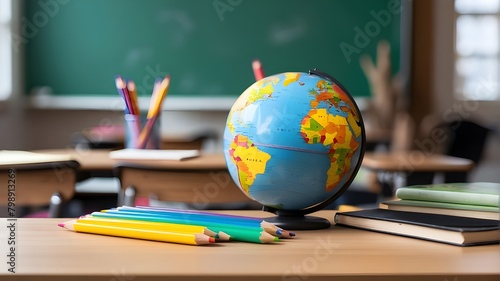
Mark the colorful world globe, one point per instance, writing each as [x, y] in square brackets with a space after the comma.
[294, 140]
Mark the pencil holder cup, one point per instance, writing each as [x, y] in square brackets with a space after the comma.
[134, 125]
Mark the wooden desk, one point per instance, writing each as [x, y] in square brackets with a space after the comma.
[99, 160]
[47, 252]
[418, 167]
[201, 180]
[97, 163]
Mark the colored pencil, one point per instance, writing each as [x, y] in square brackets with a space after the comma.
[257, 70]
[121, 86]
[273, 228]
[236, 232]
[269, 227]
[154, 110]
[188, 217]
[247, 234]
[154, 93]
[146, 234]
[132, 91]
[256, 235]
[162, 226]
[132, 113]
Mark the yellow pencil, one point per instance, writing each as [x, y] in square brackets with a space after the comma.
[154, 110]
[146, 234]
[171, 227]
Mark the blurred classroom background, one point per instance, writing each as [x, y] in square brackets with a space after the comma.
[446, 55]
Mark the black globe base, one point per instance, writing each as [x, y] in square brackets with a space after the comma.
[299, 222]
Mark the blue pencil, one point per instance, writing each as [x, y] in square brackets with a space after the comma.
[187, 217]
[269, 227]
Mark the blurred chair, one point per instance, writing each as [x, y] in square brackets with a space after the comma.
[38, 186]
[189, 188]
[467, 140]
[367, 188]
[463, 138]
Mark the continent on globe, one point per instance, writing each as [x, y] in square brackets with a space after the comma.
[333, 94]
[249, 160]
[319, 126]
[290, 78]
[256, 92]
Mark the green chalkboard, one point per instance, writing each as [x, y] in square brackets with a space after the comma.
[77, 47]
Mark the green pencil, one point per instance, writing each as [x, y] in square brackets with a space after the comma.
[254, 235]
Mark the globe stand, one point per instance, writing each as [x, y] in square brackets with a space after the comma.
[297, 221]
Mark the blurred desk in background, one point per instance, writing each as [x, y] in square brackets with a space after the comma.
[415, 161]
[202, 180]
[93, 162]
[36, 184]
[417, 167]
[96, 162]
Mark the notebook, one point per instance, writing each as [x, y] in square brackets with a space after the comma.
[153, 154]
[19, 157]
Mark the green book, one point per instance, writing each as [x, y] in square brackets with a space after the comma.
[462, 210]
[474, 193]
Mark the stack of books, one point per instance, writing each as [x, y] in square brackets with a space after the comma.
[463, 214]
[474, 200]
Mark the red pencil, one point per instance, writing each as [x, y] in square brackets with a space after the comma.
[257, 70]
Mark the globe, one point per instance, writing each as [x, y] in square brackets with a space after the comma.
[294, 142]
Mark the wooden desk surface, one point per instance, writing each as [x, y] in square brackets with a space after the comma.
[98, 159]
[415, 161]
[47, 252]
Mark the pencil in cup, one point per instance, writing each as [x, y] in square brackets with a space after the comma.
[121, 87]
[162, 226]
[155, 107]
[251, 234]
[137, 233]
[132, 134]
[132, 91]
[269, 227]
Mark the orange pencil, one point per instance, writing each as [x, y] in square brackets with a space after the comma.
[154, 110]
[257, 70]
[133, 97]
